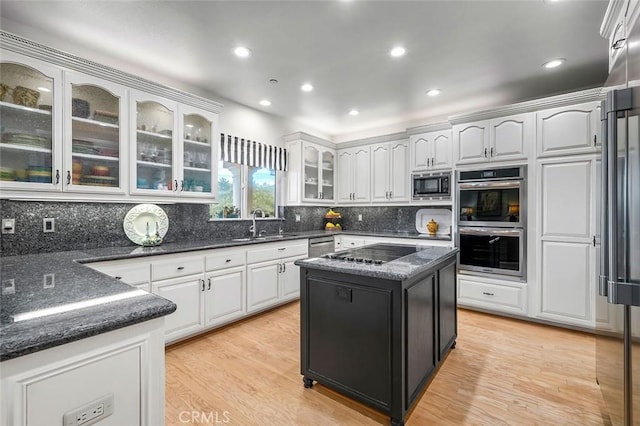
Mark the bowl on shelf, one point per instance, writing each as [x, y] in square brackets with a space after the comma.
[100, 171]
[25, 96]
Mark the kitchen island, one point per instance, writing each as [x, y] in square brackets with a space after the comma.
[377, 322]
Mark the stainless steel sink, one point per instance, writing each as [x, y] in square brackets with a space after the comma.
[265, 238]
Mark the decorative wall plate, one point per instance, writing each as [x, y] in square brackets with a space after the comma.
[144, 219]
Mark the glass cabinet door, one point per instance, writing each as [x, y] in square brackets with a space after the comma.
[27, 148]
[311, 175]
[154, 166]
[197, 156]
[95, 110]
[327, 175]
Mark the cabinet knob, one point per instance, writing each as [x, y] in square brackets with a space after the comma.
[228, 260]
[485, 153]
[57, 176]
[175, 188]
[428, 159]
[284, 267]
[182, 185]
[117, 278]
[68, 177]
[491, 154]
[202, 285]
[209, 287]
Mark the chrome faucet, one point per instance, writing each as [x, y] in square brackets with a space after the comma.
[252, 228]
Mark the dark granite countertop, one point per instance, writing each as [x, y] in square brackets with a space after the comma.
[400, 269]
[51, 299]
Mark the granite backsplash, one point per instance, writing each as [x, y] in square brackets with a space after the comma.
[93, 225]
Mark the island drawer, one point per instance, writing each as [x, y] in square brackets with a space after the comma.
[133, 273]
[491, 293]
[166, 267]
[277, 251]
[225, 258]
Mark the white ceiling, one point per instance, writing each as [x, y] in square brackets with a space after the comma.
[480, 53]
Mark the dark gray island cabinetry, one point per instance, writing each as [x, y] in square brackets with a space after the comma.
[378, 332]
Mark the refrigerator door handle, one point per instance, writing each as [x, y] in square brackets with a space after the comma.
[604, 211]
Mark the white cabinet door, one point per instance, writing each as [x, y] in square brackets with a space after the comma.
[345, 175]
[471, 142]
[327, 177]
[380, 164]
[262, 285]
[441, 150]
[224, 295]
[361, 180]
[399, 171]
[510, 137]
[420, 152]
[186, 293]
[566, 282]
[566, 250]
[568, 130]
[290, 280]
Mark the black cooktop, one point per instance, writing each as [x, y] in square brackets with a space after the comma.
[375, 254]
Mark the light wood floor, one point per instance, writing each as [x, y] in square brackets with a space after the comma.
[502, 371]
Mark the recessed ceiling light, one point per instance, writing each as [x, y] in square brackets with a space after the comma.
[265, 102]
[397, 51]
[434, 92]
[554, 63]
[242, 52]
[44, 89]
[306, 87]
[354, 112]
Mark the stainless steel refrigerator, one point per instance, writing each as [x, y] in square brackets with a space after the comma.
[618, 300]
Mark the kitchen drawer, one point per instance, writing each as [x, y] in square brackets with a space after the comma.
[165, 267]
[132, 273]
[491, 294]
[225, 258]
[274, 251]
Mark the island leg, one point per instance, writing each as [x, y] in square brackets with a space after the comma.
[453, 346]
[308, 383]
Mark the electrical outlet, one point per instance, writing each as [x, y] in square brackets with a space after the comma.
[359, 218]
[91, 413]
[48, 280]
[297, 218]
[8, 226]
[49, 224]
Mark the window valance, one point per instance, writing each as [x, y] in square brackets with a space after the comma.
[244, 151]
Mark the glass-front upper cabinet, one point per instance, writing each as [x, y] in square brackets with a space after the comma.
[93, 135]
[153, 159]
[30, 139]
[318, 173]
[199, 153]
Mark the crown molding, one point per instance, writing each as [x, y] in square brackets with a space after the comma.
[302, 136]
[433, 127]
[375, 139]
[590, 95]
[26, 47]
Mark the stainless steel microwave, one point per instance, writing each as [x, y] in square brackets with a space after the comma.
[431, 186]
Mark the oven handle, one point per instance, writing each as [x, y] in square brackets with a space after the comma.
[489, 185]
[491, 231]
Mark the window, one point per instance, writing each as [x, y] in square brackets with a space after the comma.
[260, 185]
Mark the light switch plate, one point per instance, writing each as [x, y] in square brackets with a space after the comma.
[49, 224]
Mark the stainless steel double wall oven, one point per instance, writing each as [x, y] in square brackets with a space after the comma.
[492, 221]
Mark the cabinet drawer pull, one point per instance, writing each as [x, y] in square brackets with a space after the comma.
[487, 293]
[209, 287]
[284, 267]
[57, 176]
[182, 185]
[202, 285]
[117, 278]
[68, 177]
[180, 268]
[175, 188]
[485, 153]
[228, 260]
[282, 249]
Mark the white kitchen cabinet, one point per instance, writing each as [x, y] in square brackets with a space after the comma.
[353, 175]
[95, 135]
[568, 130]
[134, 272]
[491, 294]
[127, 364]
[389, 171]
[225, 295]
[311, 178]
[566, 249]
[31, 119]
[272, 278]
[186, 293]
[351, 242]
[500, 139]
[431, 151]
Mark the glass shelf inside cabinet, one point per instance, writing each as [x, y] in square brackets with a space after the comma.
[26, 118]
[95, 145]
[197, 154]
[327, 175]
[154, 146]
